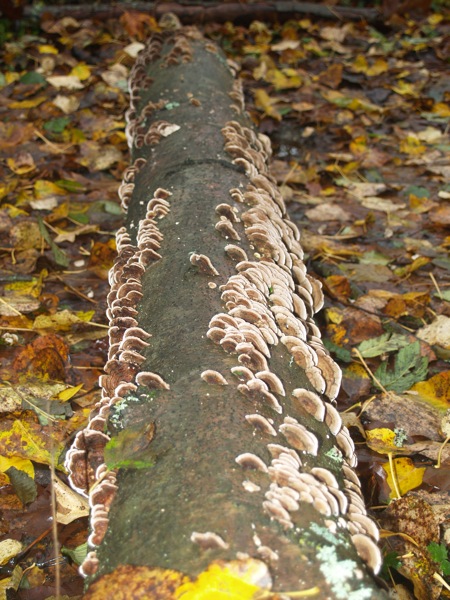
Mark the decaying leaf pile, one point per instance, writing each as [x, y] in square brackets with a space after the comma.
[359, 119]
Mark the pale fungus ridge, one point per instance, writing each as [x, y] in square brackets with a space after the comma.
[271, 299]
[209, 540]
[123, 375]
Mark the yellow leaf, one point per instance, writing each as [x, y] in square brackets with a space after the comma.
[13, 211]
[418, 262]
[26, 440]
[70, 392]
[381, 440]
[6, 187]
[10, 77]
[404, 88]
[435, 390]
[334, 315]
[412, 145]
[408, 476]
[435, 18]
[359, 145]
[60, 321]
[32, 288]
[21, 164]
[47, 49]
[441, 109]
[234, 580]
[81, 71]
[376, 68]
[22, 464]
[264, 102]
[284, 79]
[44, 188]
[30, 103]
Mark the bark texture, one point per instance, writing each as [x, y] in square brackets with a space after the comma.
[209, 11]
[216, 437]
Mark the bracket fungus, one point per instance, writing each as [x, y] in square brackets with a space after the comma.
[249, 456]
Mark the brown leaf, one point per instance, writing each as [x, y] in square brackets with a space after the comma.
[46, 357]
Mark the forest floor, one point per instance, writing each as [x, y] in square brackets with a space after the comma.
[359, 117]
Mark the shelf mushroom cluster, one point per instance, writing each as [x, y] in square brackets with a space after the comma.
[271, 300]
[123, 374]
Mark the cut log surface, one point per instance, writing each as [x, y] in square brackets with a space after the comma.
[216, 437]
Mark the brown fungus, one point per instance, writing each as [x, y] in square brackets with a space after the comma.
[209, 540]
[299, 437]
[235, 252]
[247, 460]
[151, 380]
[204, 264]
[261, 423]
[213, 377]
[368, 551]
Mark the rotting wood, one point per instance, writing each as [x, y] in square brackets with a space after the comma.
[207, 12]
[217, 419]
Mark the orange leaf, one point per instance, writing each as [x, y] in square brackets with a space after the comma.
[411, 304]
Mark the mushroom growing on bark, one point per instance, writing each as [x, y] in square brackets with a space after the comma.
[258, 467]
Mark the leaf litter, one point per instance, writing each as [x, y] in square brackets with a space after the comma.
[358, 117]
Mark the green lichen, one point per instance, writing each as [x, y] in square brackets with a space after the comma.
[340, 573]
[400, 436]
[335, 454]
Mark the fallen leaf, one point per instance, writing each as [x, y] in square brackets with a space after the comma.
[9, 548]
[46, 357]
[437, 332]
[71, 82]
[413, 304]
[435, 390]
[266, 104]
[60, 321]
[68, 104]
[69, 504]
[328, 211]
[408, 476]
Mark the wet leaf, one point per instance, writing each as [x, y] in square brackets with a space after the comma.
[437, 332]
[23, 485]
[9, 548]
[59, 255]
[78, 554]
[69, 504]
[266, 104]
[61, 321]
[27, 439]
[45, 357]
[409, 367]
[382, 440]
[435, 390]
[387, 342]
[407, 474]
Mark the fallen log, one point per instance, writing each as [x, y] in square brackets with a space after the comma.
[216, 451]
[210, 11]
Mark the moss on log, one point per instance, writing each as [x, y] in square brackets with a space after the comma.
[216, 438]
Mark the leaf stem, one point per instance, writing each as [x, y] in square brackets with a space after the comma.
[366, 366]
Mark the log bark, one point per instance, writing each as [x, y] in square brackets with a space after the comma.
[216, 438]
[207, 12]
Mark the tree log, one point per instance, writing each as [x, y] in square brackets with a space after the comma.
[216, 438]
[207, 11]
